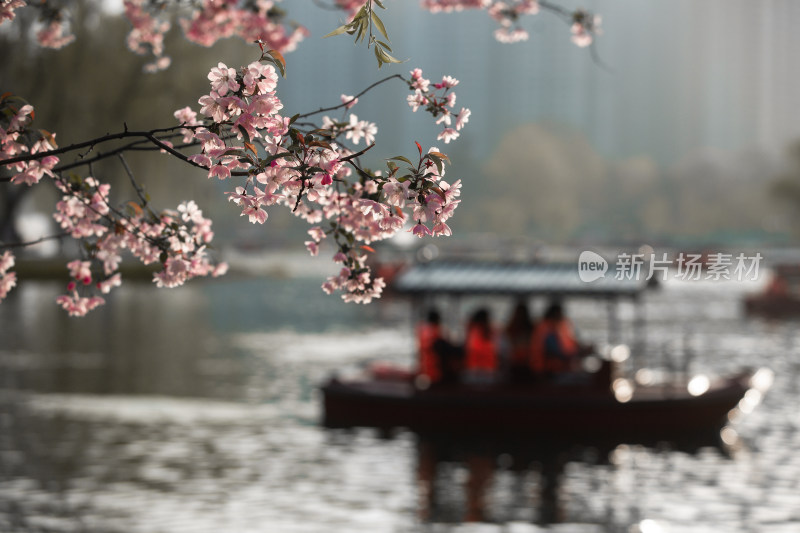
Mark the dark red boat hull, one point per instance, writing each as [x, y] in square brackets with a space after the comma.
[563, 410]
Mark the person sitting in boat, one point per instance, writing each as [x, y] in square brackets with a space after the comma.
[438, 357]
[516, 344]
[554, 348]
[428, 332]
[480, 349]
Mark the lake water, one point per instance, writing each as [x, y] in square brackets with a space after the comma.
[196, 410]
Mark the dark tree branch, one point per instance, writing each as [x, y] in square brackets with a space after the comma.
[90, 143]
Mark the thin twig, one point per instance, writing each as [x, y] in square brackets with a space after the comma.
[5, 245]
[357, 154]
[138, 188]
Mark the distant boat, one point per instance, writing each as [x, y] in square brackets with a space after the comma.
[781, 298]
[599, 404]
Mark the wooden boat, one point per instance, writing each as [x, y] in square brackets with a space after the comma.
[599, 404]
[581, 408]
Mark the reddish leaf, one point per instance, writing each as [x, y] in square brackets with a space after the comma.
[136, 207]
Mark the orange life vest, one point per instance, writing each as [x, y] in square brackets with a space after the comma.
[427, 335]
[480, 351]
[541, 361]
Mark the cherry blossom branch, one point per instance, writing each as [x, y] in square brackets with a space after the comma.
[130, 147]
[354, 98]
[90, 144]
[356, 155]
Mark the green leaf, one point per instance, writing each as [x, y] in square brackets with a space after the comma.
[363, 26]
[379, 24]
[384, 57]
[244, 132]
[401, 158]
[279, 61]
[379, 4]
[321, 144]
[338, 31]
[440, 155]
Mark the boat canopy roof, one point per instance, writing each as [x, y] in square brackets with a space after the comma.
[513, 279]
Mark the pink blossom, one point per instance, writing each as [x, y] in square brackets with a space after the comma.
[21, 118]
[580, 36]
[6, 261]
[510, 35]
[396, 192]
[54, 35]
[81, 271]
[110, 259]
[442, 229]
[316, 233]
[419, 82]
[159, 64]
[190, 212]
[174, 274]
[447, 82]
[223, 79]
[186, 116]
[108, 284]
[448, 134]
[359, 129]
[7, 282]
[220, 270]
[420, 230]
[255, 214]
[7, 8]
[201, 159]
[260, 78]
[462, 118]
[392, 224]
[77, 305]
[219, 171]
[212, 108]
[416, 100]
[349, 101]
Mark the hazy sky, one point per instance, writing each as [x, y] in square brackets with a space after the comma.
[682, 76]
